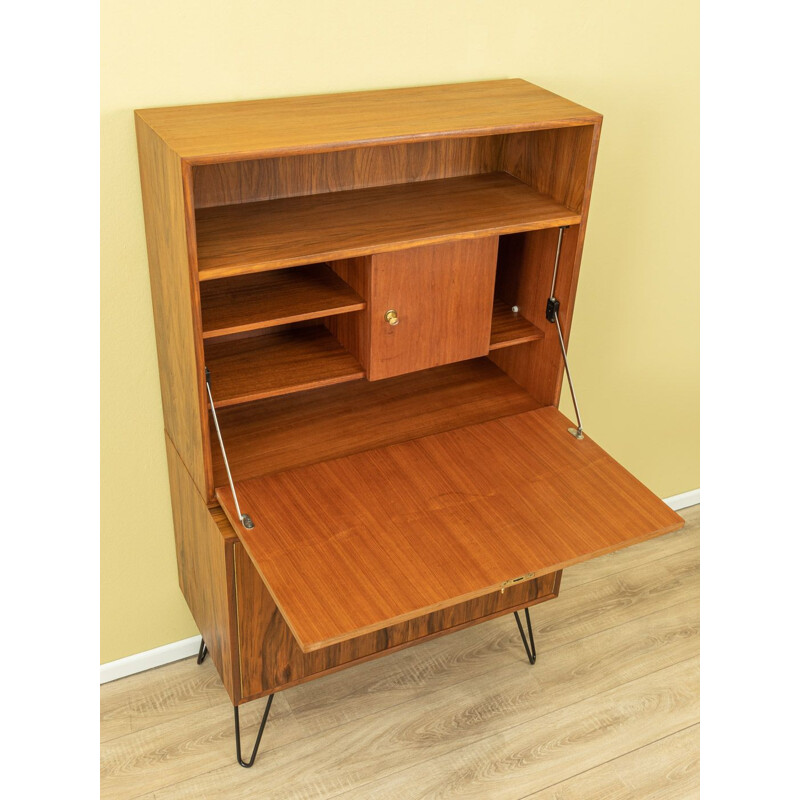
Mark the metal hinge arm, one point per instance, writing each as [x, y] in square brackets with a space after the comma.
[243, 518]
[551, 313]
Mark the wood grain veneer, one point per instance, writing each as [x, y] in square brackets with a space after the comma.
[562, 163]
[204, 550]
[364, 542]
[510, 327]
[524, 277]
[554, 162]
[239, 239]
[282, 433]
[342, 170]
[219, 132]
[354, 331]
[292, 360]
[443, 298]
[277, 662]
[173, 284]
[233, 305]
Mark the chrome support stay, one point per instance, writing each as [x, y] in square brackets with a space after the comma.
[244, 518]
[552, 316]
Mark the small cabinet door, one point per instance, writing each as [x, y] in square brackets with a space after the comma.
[430, 306]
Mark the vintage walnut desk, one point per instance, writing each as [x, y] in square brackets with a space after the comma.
[361, 305]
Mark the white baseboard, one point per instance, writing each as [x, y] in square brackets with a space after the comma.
[140, 662]
[679, 501]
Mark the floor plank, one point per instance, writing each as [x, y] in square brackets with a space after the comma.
[525, 758]
[668, 769]
[156, 696]
[456, 716]
[363, 748]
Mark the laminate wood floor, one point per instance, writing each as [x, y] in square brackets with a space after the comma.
[609, 711]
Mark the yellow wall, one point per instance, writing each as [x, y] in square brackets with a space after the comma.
[635, 335]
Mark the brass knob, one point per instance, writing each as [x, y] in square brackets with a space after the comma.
[391, 317]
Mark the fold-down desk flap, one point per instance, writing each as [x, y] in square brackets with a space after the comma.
[360, 543]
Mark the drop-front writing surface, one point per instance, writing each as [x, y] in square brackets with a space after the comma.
[361, 543]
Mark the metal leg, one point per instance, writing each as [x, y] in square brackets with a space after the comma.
[530, 651]
[201, 656]
[258, 738]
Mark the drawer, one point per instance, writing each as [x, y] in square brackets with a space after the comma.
[271, 658]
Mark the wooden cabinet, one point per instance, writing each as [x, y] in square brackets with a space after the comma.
[372, 289]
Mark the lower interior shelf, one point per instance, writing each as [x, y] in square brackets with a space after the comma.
[297, 359]
[281, 433]
[359, 543]
[510, 327]
[243, 370]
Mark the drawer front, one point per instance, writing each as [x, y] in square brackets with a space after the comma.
[271, 659]
[439, 305]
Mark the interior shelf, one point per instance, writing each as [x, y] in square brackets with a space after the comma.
[510, 328]
[252, 368]
[233, 305]
[254, 237]
[281, 433]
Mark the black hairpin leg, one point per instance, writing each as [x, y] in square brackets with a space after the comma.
[201, 656]
[530, 651]
[258, 738]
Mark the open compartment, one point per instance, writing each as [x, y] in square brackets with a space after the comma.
[281, 360]
[525, 271]
[264, 214]
[267, 299]
[284, 432]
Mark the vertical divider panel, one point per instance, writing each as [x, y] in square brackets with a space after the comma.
[353, 330]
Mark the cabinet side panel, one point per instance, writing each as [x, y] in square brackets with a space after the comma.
[205, 572]
[175, 301]
[272, 660]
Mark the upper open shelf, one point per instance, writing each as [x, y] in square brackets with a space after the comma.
[255, 237]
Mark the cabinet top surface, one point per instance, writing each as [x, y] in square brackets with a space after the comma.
[283, 126]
